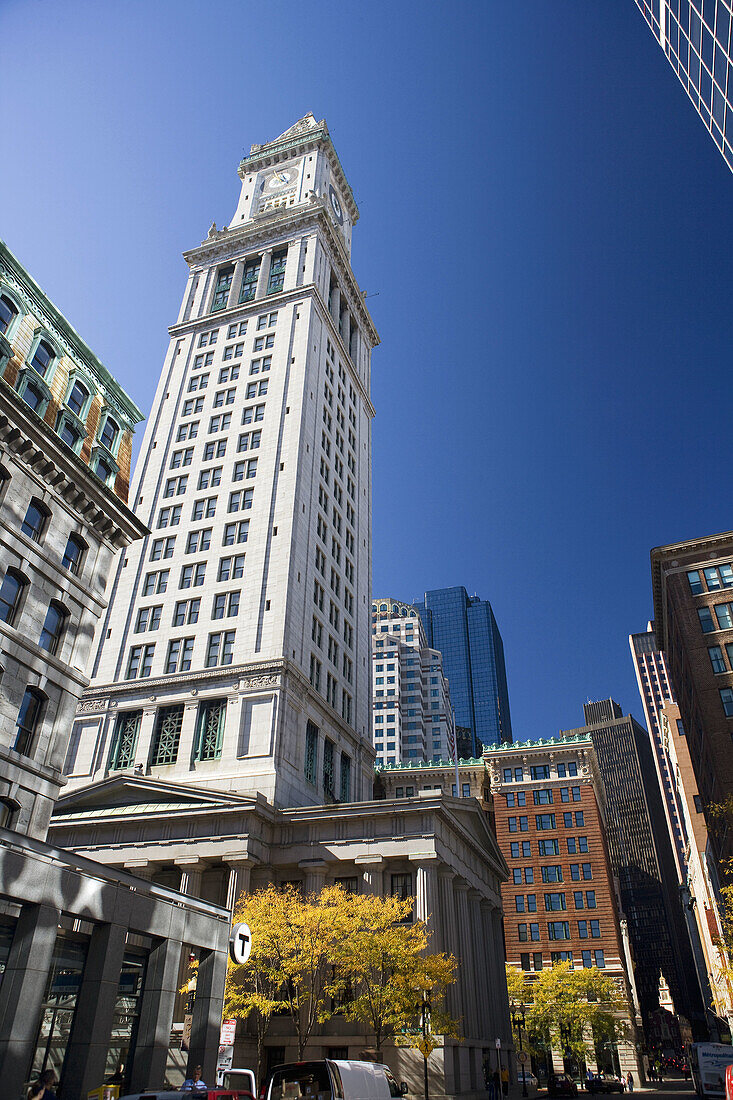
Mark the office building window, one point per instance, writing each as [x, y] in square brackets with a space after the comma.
[706, 619]
[180, 654]
[558, 930]
[249, 283]
[311, 752]
[726, 698]
[148, 618]
[277, 272]
[11, 595]
[166, 735]
[35, 520]
[222, 288]
[220, 648]
[124, 740]
[210, 730]
[140, 661]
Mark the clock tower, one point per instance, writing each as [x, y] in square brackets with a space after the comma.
[299, 166]
[236, 648]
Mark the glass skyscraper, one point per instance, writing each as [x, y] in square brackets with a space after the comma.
[695, 36]
[464, 629]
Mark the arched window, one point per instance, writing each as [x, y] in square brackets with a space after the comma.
[78, 398]
[8, 312]
[43, 357]
[29, 720]
[11, 595]
[53, 627]
[109, 433]
[74, 554]
[35, 520]
[34, 395]
[382, 607]
[4, 481]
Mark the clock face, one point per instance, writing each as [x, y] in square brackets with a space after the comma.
[281, 177]
[336, 205]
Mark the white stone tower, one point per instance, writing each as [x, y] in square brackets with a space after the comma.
[236, 650]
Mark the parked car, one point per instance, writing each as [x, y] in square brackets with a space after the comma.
[239, 1080]
[332, 1079]
[529, 1077]
[605, 1082]
[561, 1084]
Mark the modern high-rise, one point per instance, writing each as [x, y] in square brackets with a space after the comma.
[225, 742]
[411, 708]
[696, 38]
[642, 861]
[465, 631]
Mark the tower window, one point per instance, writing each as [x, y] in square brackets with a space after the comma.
[77, 398]
[223, 286]
[277, 272]
[249, 281]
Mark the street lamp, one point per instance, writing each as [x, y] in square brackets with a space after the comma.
[519, 1021]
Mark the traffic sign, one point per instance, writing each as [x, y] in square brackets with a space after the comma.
[228, 1032]
[522, 1057]
[240, 943]
[498, 1043]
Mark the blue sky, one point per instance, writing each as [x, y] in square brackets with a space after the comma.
[545, 239]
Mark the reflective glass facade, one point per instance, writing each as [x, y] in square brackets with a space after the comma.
[464, 629]
[695, 35]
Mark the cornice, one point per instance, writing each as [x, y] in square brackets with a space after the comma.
[29, 438]
[262, 230]
[68, 338]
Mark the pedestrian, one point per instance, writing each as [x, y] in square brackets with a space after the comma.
[194, 1082]
[497, 1084]
[651, 1071]
[505, 1080]
[660, 1078]
[43, 1088]
[630, 1081]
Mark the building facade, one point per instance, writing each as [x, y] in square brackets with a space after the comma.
[695, 37]
[694, 859]
[643, 864]
[465, 631]
[225, 741]
[560, 900]
[693, 624]
[89, 958]
[411, 707]
[245, 612]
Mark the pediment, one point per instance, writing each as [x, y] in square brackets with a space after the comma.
[472, 819]
[302, 126]
[133, 790]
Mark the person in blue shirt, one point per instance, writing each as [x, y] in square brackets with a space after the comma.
[194, 1082]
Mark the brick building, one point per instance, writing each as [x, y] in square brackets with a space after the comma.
[560, 899]
[693, 617]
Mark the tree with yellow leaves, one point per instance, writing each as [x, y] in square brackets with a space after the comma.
[385, 962]
[357, 954]
[295, 941]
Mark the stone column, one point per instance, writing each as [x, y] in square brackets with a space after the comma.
[492, 982]
[207, 1009]
[481, 983]
[142, 868]
[192, 868]
[336, 304]
[314, 875]
[262, 281]
[188, 732]
[145, 735]
[21, 992]
[503, 1021]
[427, 896]
[372, 869]
[345, 326]
[236, 283]
[86, 1054]
[240, 871]
[156, 1015]
[468, 972]
[446, 939]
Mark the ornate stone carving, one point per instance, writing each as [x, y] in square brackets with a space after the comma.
[90, 706]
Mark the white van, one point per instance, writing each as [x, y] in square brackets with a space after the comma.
[332, 1079]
